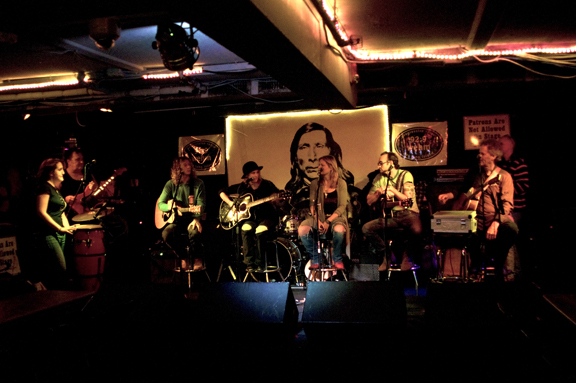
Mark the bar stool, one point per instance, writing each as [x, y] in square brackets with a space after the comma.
[396, 267]
[268, 268]
[326, 270]
[189, 270]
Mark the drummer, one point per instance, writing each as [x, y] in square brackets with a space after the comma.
[53, 227]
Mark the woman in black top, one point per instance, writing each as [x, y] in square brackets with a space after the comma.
[53, 226]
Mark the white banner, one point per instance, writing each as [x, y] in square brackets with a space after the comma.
[420, 143]
[289, 145]
[9, 256]
[479, 128]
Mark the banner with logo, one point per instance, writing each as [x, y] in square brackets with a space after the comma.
[205, 152]
[420, 143]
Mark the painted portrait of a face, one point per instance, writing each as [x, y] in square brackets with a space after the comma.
[311, 148]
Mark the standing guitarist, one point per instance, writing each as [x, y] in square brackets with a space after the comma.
[184, 201]
[394, 187]
[263, 217]
[493, 188]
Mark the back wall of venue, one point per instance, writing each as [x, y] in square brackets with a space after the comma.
[145, 143]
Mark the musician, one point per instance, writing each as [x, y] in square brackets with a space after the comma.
[53, 226]
[394, 184]
[74, 176]
[184, 195]
[328, 201]
[263, 217]
[518, 169]
[494, 189]
[311, 142]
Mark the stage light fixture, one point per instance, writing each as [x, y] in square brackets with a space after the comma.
[178, 50]
[104, 31]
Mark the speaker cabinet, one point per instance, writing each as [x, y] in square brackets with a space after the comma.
[248, 310]
[354, 310]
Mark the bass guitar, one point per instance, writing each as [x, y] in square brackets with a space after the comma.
[164, 218]
[240, 211]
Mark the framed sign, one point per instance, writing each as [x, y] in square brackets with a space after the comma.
[479, 128]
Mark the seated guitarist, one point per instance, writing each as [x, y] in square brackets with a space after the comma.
[389, 185]
[184, 196]
[493, 188]
[263, 218]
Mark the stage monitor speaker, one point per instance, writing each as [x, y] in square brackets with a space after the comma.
[254, 310]
[355, 311]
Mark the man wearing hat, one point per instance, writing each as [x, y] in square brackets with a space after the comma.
[263, 217]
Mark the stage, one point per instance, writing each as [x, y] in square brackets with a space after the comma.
[329, 331]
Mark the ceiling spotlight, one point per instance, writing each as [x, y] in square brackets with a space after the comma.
[178, 50]
[104, 31]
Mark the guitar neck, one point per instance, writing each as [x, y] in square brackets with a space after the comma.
[258, 202]
[103, 186]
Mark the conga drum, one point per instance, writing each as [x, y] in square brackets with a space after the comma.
[89, 255]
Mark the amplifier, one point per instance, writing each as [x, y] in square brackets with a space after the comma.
[454, 221]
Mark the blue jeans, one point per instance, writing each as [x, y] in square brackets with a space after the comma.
[311, 245]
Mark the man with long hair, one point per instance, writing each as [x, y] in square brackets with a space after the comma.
[311, 142]
[184, 196]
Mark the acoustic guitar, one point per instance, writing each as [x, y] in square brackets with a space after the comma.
[240, 211]
[164, 218]
[469, 201]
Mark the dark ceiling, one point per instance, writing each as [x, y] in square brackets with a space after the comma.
[261, 51]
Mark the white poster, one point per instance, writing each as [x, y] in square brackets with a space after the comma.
[289, 145]
[420, 143]
[205, 152]
[9, 256]
[480, 128]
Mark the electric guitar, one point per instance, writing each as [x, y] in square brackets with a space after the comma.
[230, 216]
[80, 204]
[164, 218]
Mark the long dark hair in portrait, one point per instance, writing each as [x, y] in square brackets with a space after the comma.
[297, 179]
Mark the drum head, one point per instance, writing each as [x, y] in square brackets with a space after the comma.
[289, 257]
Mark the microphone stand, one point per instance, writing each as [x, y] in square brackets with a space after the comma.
[387, 250]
